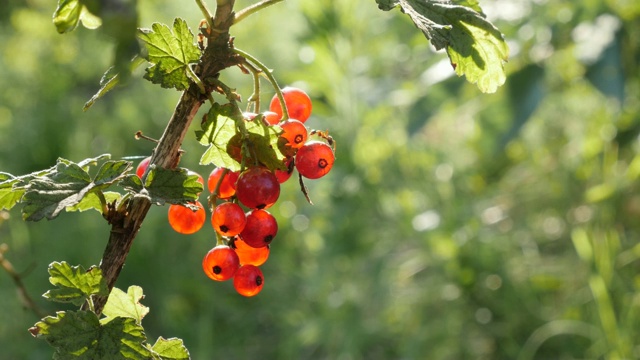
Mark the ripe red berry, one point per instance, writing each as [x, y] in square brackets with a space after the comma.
[228, 219]
[260, 229]
[298, 104]
[257, 188]
[142, 167]
[284, 175]
[221, 263]
[186, 221]
[271, 117]
[248, 280]
[249, 255]
[314, 159]
[295, 132]
[228, 185]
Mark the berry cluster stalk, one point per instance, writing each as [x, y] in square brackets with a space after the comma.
[125, 224]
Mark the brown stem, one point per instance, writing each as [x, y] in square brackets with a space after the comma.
[124, 226]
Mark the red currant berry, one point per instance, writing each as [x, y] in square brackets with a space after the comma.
[284, 175]
[298, 104]
[228, 219]
[314, 159]
[248, 280]
[142, 167]
[271, 117]
[295, 132]
[260, 229]
[228, 185]
[249, 255]
[221, 263]
[186, 221]
[257, 188]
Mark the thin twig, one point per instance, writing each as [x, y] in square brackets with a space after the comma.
[252, 9]
[17, 279]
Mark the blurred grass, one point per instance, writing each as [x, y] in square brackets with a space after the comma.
[454, 224]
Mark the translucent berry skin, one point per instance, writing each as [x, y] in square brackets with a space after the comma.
[221, 263]
[142, 167]
[298, 104]
[284, 175]
[249, 255]
[248, 280]
[186, 221]
[257, 188]
[228, 186]
[294, 132]
[271, 117]
[261, 228]
[314, 160]
[228, 219]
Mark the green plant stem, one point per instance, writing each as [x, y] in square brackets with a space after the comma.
[196, 79]
[205, 11]
[269, 75]
[252, 9]
[255, 97]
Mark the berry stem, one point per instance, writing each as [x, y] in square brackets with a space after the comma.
[255, 97]
[252, 9]
[205, 11]
[269, 75]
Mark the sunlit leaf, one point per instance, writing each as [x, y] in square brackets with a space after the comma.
[170, 349]
[121, 304]
[79, 335]
[170, 53]
[74, 283]
[162, 186]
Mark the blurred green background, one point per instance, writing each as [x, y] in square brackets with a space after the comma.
[454, 225]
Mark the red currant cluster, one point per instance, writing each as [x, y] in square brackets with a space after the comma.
[240, 200]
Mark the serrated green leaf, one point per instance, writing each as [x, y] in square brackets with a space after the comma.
[86, 163]
[70, 12]
[110, 79]
[9, 196]
[121, 304]
[165, 186]
[170, 52]
[92, 201]
[261, 145]
[79, 335]
[476, 48]
[66, 185]
[74, 283]
[170, 349]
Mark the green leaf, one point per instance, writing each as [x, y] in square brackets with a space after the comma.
[165, 186]
[171, 53]
[261, 145]
[70, 12]
[79, 335]
[9, 196]
[74, 283]
[121, 304]
[92, 201]
[170, 349]
[110, 80]
[66, 186]
[476, 48]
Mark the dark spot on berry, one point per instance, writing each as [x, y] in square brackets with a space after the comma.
[261, 206]
[258, 280]
[224, 228]
[298, 139]
[216, 269]
[322, 163]
[268, 238]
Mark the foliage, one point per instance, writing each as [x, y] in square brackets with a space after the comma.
[455, 224]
